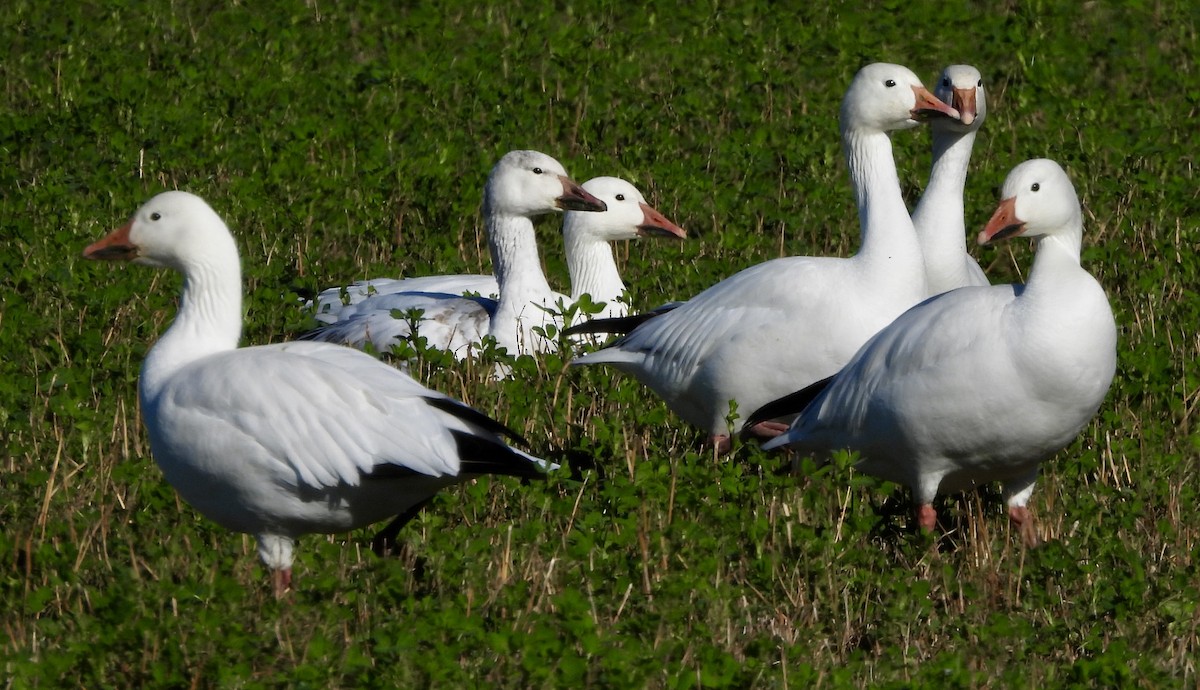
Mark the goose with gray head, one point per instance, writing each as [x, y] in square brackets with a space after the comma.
[294, 438]
[979, 384]
[782, 324]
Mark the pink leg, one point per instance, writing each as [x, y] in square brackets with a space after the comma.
[1022, 519]
[768, 429]
[926, 517]
[281, 580]
[721, 443]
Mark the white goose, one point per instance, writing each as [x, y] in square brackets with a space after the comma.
[983, 383]
[522, 185]
[939, 216]
[513, 189]
[788, 322]
[586, 236]
[338, 304]
[289, 439]
[458, 324]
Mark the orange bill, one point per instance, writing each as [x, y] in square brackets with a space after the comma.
[928, 105]
[576, 198]
[115, 246]
[655, 224]
[1004, 223]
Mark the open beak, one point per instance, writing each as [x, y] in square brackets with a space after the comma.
[1004, 223]
[655, 224]
[115, 246]
[576, 198]
[928, 106]
[963, 101]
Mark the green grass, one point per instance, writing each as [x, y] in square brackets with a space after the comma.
[345, 144]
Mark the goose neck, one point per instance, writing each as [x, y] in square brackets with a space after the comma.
[209, 320]
[515, 259]
[1057, 256]
[592, 268]
[885, 226]
[940, 212]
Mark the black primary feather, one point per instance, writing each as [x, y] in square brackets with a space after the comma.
[789, 405]
[484, 456]
[472, 416]
[619, 325]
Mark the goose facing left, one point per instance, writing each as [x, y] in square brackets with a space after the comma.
[979, 384]
[293, 438]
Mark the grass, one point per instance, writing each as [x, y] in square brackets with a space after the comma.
[348, 143]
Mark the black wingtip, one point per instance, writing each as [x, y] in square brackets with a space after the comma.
[473, 416]
[618, 325]
[481, 455]
[789, 405]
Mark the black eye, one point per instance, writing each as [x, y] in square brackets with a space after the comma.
[1034, 187]
[946, 82]
[537, 171]
[155, 216]
[979, 83]
[890, 83]
[620, 197]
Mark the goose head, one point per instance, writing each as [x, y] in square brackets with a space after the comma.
[627, 217]
[529, 183]
[886, 97]
[171, 230]
[961, 86]
[1038, 200]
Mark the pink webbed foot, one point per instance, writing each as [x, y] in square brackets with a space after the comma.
[926, 517]
[721, 443]
[1022, 520]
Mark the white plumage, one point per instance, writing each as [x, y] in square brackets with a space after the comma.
[939, 217]
[980, 384]
[590, 261]
[288, 439]
[770, 328]
[448, 320]
[521, 186]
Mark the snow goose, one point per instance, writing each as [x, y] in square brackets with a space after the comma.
[340, 303]
[939, 216]
[521, 186]
[787, 322]
[982, 383]
[586, 236]
[458, 324]
[288, 439]
[528, 196]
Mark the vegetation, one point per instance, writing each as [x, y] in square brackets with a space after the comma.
[346, 142]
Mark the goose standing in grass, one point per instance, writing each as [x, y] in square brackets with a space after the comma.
[979, 384]
[458, 324]
[284, 440]
[788, 322]
[939, 217]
